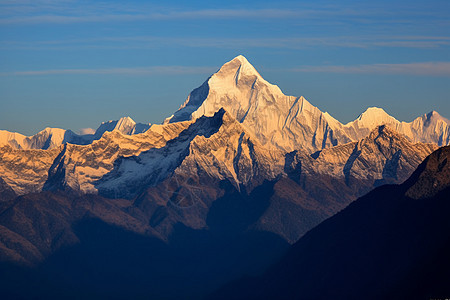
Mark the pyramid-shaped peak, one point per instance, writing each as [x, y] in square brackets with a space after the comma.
[230, 88]
[241, 58]
[126, 120]
[432, 114]
[435, 115]
[122, 120]
[238, 66]
[125, 125]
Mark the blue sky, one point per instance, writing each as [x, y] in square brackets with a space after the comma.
[72, 64]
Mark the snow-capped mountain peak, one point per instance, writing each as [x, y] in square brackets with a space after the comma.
[372, 117]
[287, 122]
[230, 88]
[45, 139]
[50, 138]
[276, 120]
[435, 116]
[124, 125]
[237, 67]
[126, 120]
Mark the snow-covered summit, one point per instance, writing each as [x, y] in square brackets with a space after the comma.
[239, 66]
[230, 88]
[125, 125]
[429, 128]
[373, 117]
[435, 116]
[48, 138]
[291, 123]
[278, 121]
[275, 119]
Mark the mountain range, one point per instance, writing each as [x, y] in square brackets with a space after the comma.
[236, 98]
[50, 138]
[285, 122]
[238, 168]
[291, 123]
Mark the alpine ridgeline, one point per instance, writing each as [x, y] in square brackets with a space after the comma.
[50, 138]
[291, 123]
[236, 137]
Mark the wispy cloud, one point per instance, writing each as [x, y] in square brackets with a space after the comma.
[124, 16]
[419, 68]
[151, 42]
[422, 68]
[84, 131]
[154, 70]
[69, 11]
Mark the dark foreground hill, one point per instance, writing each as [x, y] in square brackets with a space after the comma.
[392, 243]
[90, 247]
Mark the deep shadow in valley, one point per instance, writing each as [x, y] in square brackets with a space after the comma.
[110, 262]
[383, 246]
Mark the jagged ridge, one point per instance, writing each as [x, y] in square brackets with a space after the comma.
[291, 123]
[50, 138]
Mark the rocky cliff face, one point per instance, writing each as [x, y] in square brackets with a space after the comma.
[314, 187]
[383, 156]
[26, 171]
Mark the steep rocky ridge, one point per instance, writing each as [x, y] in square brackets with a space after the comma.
[217, 146]
[26, 171]
[120, 165]
[318, 186]
[292, 123]
[285, 122]
[76, 166]
[384, 156]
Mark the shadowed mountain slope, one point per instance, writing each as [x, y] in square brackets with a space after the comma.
[392, 243]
